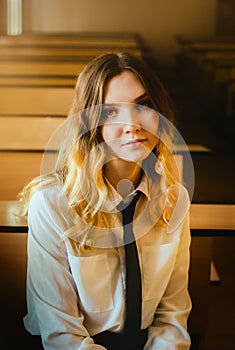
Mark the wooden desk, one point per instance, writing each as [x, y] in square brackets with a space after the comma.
[212, 217]
[9, 222]
[203, 217]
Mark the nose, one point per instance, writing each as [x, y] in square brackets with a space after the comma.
[131, 123]
[131, 128]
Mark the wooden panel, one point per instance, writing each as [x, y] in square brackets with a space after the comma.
[34, 134]
[202, 216]
[7, 81]
[80, 39]
[212, 216]
[39, 67]
[35, 100]
[18, 168]
[47, 52]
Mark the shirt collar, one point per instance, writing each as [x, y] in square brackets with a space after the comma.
[114, 198]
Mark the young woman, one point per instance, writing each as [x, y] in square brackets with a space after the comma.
[116, 147]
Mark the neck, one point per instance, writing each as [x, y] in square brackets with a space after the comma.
[124, 176]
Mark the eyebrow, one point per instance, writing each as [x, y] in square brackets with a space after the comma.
[111, 104]
[136, 100]
[141, 97]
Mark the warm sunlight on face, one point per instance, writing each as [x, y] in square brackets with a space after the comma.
[129, 128]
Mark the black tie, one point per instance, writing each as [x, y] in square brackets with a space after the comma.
[133, 276]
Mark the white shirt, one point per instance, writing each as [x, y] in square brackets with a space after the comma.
[71, 297]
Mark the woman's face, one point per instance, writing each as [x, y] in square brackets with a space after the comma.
[128, 128]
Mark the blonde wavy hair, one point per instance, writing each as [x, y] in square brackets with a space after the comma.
[81, 157]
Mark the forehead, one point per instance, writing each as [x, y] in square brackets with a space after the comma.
[124, 87]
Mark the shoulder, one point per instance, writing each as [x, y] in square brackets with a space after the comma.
[49, 204]
[45, 198]
[182, 194]
[47, 221]
[180, 212]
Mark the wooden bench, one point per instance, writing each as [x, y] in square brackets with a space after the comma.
[198, 39]
[18, 168]
[49, 52]
[210, 64]
[214, 79]
[29, 116]
[57, 58]
[193, 48]
[202, 217]
[217, 85]
[194, 51]
[23, 140]
[59, 54]
[35, 96]
[209, 224]
[42, 80]
[69, 46]
[35, 100]
[196, 59]
[32, 151]
[77, 39]
[39, 67]
[35, 132]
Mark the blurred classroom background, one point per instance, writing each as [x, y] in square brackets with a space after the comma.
[190, 44]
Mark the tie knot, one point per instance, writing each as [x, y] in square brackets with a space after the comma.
[129, 205]
[128, 209]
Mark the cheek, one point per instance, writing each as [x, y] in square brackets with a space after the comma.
[109, 132]
[151, 125]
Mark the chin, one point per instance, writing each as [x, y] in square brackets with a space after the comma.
[137, 160]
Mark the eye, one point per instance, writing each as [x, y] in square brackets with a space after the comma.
[109, 112]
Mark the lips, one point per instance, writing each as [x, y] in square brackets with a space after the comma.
[134, 141]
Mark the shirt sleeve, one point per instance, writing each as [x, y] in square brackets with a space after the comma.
[52, 299]
[169, 328]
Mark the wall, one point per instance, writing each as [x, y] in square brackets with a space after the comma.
[157, 21]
